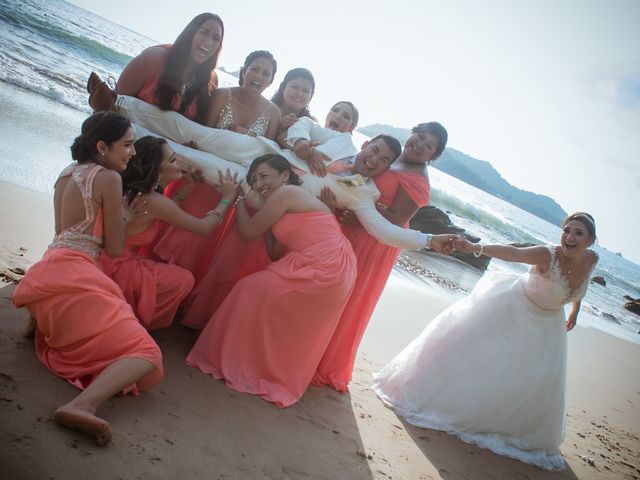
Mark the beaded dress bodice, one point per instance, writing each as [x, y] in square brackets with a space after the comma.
[84, 236]
[259, 126]
[550, 290]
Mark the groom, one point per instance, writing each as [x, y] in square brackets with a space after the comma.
[356, 192]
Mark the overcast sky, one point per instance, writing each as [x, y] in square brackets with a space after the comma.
[548, 91]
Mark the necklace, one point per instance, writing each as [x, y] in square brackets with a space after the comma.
[184, 88]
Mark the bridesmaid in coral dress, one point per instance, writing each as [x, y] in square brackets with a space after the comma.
[270, 333]
[180, 77]
[241, 109]
[155, 290]
[234, 258]
[85, 331]
[403, 189]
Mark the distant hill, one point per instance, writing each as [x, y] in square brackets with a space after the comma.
[482, 175]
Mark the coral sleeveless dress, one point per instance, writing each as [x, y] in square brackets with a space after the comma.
[375, 262]
[153, 289]
[189, 250]
[234, 259]
[270, 333]
[83, 322]
[170, 242]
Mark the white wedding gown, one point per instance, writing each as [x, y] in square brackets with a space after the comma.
[491, 368]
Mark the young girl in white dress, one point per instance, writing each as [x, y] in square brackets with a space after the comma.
[491, 369]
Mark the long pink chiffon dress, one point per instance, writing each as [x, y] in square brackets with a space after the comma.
[84, 324]
[171, 244]
[234, 259]
[154, 290]
[270, 333]
[375, 262]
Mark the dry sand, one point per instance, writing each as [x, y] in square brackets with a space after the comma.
[193, 427]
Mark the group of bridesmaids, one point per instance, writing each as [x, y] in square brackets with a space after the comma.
[282, 288]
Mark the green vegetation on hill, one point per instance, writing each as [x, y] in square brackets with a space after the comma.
[482, 175]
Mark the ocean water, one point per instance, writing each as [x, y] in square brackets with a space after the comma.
[49, 47]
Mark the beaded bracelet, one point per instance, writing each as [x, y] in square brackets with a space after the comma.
[224, 202]
[239, 199]
[479, 253]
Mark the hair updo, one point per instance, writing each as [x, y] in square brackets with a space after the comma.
[252, 57]
[278, 163]
[102, 126]
[143, 170]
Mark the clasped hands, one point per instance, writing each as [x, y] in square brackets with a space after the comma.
[305, 150]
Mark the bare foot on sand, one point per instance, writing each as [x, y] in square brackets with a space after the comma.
[29, 329]
[83, 420]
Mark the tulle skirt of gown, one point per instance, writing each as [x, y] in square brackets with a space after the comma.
[83, 322]
[491, 370]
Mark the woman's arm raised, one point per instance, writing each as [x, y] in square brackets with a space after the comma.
[274, 208]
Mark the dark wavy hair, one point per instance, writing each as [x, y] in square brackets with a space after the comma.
[356, 114]
[293, 74]
[143, 170]
[391, 142]
[102, 126]
[436, 129]
[170, 81]
[252, 57]
[585, 219]
[278, 163]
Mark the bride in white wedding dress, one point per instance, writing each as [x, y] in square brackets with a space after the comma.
[491, 369]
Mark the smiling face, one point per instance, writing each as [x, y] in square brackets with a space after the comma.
[267, 179]
[340, 118]
[575, 238]
[116, 156]
[170, 168]
[374, 158]
[297, 94]
[206, 41]
[420, 148]
[258, 75]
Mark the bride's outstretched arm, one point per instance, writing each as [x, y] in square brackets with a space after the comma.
[538, 255]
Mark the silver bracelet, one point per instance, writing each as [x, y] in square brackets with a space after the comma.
[218, 215]
[479, 253]
[429, 241]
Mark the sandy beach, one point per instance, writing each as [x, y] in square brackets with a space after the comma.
[193, 427]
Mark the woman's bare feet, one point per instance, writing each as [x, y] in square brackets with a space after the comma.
[29, 329]
[79, 419]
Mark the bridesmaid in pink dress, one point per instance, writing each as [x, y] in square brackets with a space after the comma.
[234, 258]
[241, 109]
[180, 77]
[154, 289]
[85, 331]
[270, 333]
[404, 189]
